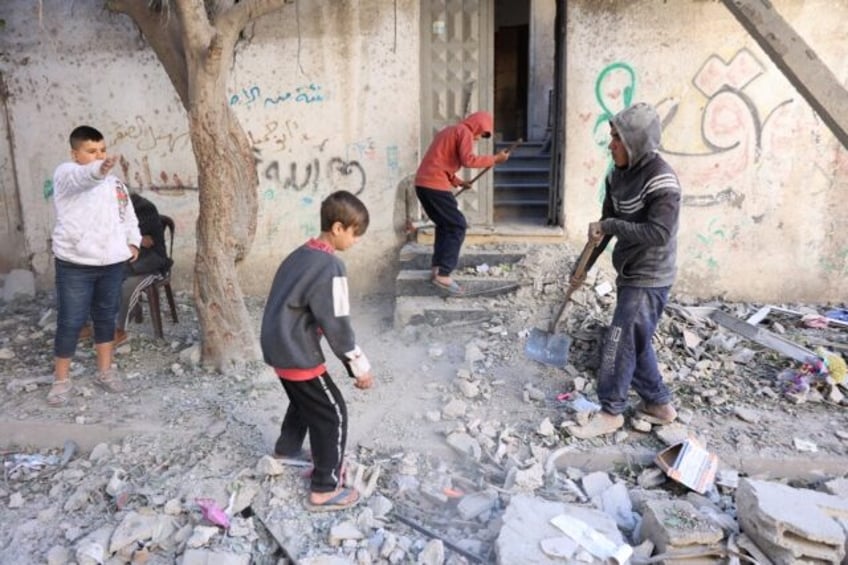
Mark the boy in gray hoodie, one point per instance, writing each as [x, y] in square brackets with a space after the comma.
[641, 209]
[309, 301]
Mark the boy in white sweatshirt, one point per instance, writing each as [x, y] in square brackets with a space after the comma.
[95, 234]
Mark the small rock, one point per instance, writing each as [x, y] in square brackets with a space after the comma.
[16, 500]
[6, 354]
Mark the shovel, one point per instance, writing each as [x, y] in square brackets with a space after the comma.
[548, 347]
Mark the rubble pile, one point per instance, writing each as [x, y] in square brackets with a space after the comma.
[463, 456]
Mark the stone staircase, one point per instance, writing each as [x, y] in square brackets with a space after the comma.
[522, 184]
[417, 301]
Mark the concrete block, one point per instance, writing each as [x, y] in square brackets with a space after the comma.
[418, 256]
[677, 525]
[18, 282]
[417, 283]
[434, 311]
[790, 524]
[527, 521]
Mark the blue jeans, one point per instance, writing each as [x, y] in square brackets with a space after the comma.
[441, 207]
[628, 357]
[84, 291]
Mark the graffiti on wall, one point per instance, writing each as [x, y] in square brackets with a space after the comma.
[251, 95]
[307, 176]
[144, 137]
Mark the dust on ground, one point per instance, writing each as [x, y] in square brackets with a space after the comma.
[180, 434]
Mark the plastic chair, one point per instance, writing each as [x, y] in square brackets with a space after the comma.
[151, 291]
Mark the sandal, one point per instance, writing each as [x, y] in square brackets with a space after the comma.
[59, 393]
[453, 289]
[108, 381]
[344, 498]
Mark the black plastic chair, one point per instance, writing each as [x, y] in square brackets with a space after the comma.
[163, 280]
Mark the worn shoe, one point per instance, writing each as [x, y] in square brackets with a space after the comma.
[108, 381]
[659, 414]
[599, 424]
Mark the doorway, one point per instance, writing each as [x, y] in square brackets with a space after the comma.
[500, 56]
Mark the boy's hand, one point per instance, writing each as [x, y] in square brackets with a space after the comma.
[364, 381]
[107, 165]
[134, 251]
[596, 232]
[501, 157]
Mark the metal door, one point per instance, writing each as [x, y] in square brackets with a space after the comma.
[456, 70]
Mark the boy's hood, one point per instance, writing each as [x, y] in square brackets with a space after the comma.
[639, 129]
[479, 123]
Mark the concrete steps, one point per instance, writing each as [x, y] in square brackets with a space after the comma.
[418, 301]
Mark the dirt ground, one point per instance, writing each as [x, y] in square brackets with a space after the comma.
[181, 433]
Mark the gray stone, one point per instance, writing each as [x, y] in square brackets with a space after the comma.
[432, 554]
[209, 557]
[19, 282]
[837, 487]
[464, 443]
[792, 525]
[342, 531]
[595, 483]
[676, 524]
[475, 504]
[527, 521]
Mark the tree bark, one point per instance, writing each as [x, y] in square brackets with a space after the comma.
[196, 53]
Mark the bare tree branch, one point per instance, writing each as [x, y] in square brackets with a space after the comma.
[163, 35]
[197, 30]
[231, 22]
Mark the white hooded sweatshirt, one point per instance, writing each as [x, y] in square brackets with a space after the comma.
[95, 220]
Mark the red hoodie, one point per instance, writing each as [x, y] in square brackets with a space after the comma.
[451, 149]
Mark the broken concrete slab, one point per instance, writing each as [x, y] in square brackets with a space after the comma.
[435, 311]
[677, 526]
[527, 521]
[791, 524]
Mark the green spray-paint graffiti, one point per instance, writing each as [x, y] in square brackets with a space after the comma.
[614, 90]
[707, 241]
[47, 189]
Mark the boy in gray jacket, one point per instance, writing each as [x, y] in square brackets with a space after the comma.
[308, 300]
[641, 209]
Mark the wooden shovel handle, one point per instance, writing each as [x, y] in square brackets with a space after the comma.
[579, 272]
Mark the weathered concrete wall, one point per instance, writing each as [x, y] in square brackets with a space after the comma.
[328, 95]
[764, 214]
[12, 251]
[328, 92]
[542, 39]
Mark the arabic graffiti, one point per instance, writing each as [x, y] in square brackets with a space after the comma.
[336, 172]
[307, 94]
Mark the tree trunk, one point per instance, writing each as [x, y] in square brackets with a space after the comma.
[225, 227]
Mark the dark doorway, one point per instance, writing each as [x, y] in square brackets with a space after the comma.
[512, 34]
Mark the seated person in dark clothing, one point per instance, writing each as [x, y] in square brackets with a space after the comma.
[152, 262]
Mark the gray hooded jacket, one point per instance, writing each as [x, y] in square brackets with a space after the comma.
[642, 205]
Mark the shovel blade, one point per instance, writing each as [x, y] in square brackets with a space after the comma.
[547, 348]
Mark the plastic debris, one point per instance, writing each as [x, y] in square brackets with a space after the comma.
[212, 512]
[577, 402]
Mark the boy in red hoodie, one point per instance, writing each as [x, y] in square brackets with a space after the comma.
[451, 149]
